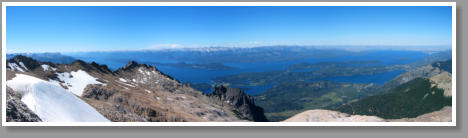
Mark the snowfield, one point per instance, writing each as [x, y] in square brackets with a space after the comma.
[47, 67]
[122, 80]
[76, 81]
[51, 102]
[14, 67]
[22, 65]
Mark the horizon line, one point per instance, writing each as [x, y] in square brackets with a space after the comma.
[345, 47]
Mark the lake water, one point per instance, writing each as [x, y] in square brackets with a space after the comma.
[378, 79]
[193, 75]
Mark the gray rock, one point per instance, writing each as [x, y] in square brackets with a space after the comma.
[239, 102]
[16, 110]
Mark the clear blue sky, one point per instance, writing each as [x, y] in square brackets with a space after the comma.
[67, 29]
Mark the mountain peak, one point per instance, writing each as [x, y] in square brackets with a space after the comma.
[134, 65]
[79, 62]
[25, 62]
[131, 64]
[102, 68]
[241, 104]
[21, 58]
[228, 91]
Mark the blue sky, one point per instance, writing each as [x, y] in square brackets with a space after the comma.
[69, 29]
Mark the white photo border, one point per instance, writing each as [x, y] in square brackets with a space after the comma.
[452, 4]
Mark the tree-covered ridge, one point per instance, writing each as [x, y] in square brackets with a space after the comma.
[287, 99]
[408, 100]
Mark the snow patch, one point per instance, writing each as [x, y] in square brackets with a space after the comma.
[126, 84]
[47, 67]
[76, 81]
[141, 71]
[122, 80]
[22, 65]
[15, 66]
[148, 91]
[51, 102]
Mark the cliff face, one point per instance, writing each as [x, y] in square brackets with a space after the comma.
[240, 103]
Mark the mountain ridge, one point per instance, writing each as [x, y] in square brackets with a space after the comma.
[136, 92]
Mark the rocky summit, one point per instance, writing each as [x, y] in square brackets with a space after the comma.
[239, 102]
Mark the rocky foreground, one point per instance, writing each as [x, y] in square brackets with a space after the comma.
[444, 115]
[133, 93]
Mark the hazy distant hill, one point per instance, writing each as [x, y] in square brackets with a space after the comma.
[46, 57]
[219, 54]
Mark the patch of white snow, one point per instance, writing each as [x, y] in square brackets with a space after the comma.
[148, 91]
[51, 102]
[22, 65]
[141, 71]
[45, 67]
[15, 66]
[76, 81]
[122, 80]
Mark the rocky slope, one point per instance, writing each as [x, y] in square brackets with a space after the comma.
[16, 110]
[443, 115]
[239, 102]
[319, 115]
[136, 92]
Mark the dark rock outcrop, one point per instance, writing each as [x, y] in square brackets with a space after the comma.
[240, 103]
[28, 62]
[133, 65]
[93, 66]
[17, 111]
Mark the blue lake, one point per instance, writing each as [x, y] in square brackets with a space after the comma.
[194, 75]
[378, 79]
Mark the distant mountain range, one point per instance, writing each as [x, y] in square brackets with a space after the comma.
[219, 55]
[46, 57]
